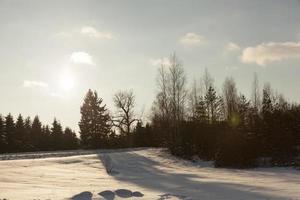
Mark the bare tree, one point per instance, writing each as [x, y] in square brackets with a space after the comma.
[208, 81]
[256, 101]
[230, 97]
[162, 101]
[170, 104]
[177, 89]
[194, 98]
[124, 102]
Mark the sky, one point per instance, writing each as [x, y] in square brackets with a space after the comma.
[52, 52]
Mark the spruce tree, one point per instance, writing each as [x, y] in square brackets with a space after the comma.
[2, 135]
[57, 135]
[201, 115]
[36, 133]
[46, 138]
[243, 106]
[94, 124]
[211, 101]
[71, 141]
[28, 143]
[10, 132]
[19, 134]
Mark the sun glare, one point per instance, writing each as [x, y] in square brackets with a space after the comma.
[66, 81]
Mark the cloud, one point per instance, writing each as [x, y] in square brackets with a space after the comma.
[160, 61]
[266, 53]
[34, 84]
[192, 39]
[86, 31]
[92, 32]
[81, 58]
[232, 47]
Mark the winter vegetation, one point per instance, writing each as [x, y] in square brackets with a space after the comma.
[226, 127]
[155, 100]
[23, 135]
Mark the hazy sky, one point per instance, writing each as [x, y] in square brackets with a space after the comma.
[52, 51]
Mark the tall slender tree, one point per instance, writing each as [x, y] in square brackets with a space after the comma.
[230, 97]
[28, 143]
[256, 100]
[211, 99]
[3, 144]
[10, 132]
[36, 133]
[57, 135]
[19, 134]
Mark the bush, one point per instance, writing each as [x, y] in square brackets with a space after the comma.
[235, 150]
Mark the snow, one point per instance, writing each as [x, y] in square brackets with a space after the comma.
[136, 174]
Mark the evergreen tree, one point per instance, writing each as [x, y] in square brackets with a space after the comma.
[36, 133]
[94, 124]
[71, 141]
[57, 135]
[212, 102]
[201, 112]
[2, 135]
[46, 138]
[19, 134]
[10, 132]
[267, 106]
[243, 106]
[28, 143]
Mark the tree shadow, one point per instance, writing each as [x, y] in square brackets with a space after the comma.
[83, 196]
[134, 168]
[121, 193]
[108, 194]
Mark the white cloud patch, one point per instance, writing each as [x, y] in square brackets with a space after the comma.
[34, 84]
[192, 39]
[92, 32]
[232, 47]
[86, 31]
[81, 58]
[160, 61]
[266, 53]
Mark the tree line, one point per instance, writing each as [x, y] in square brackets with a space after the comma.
[192, 121]
[31, 135]
[225, 127]
[197, 121]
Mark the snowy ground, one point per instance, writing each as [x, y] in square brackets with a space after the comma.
[137, 174]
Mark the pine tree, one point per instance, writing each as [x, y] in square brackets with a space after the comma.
[243, 106]
[19, 134]
[94, 124]
[57, 135]
[10, 132]
[71, 141]
[201, 112]
[28, 143]
[36, 133]
[267, 106]
[46, 138]
[211, 101]
[2, 135]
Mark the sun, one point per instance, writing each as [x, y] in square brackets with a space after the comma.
[66, 81]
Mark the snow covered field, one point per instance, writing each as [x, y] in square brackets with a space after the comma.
[136, 174]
